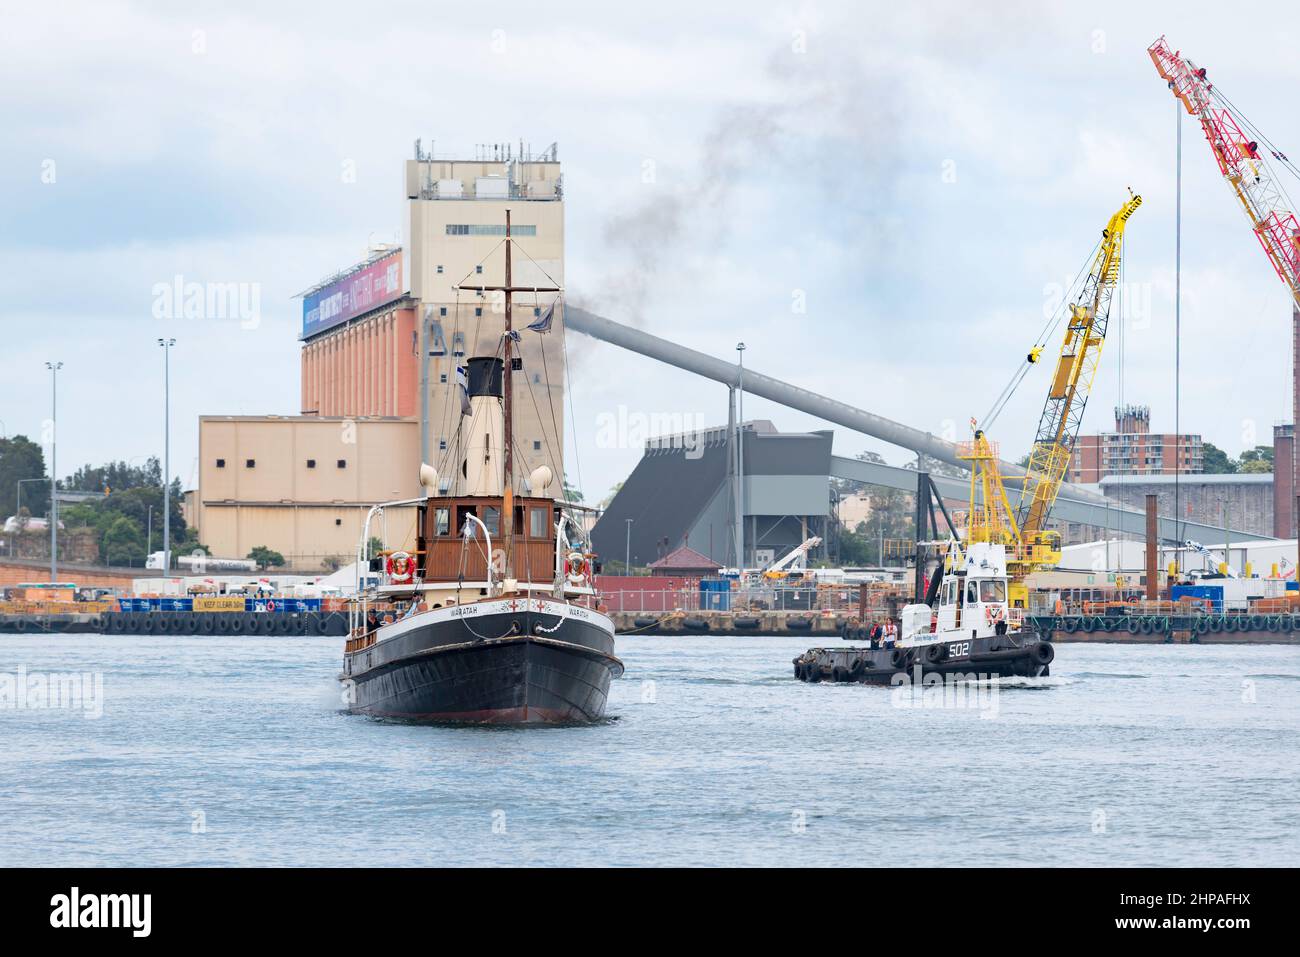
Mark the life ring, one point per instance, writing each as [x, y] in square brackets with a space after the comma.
[401, 568]
[575, 568]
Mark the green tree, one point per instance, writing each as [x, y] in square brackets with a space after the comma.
[22, 459]
[266, 558]
[570, 493]
[121, 542]
[1215, 461]
[1258, 459]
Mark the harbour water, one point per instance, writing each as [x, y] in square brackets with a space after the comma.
[234, 751]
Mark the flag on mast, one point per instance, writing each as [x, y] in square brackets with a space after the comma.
[543, 322]
[462, 382]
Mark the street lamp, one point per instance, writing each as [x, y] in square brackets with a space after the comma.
[54, 368]
[167, 453]
[627, 555]
[740, 460]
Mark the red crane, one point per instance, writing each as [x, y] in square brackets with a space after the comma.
[1243, 160]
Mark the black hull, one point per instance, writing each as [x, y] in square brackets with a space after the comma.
[1003, 656]
[498, 668]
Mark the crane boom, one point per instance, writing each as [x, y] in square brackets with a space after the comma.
[1076, 368]
[1241, 161]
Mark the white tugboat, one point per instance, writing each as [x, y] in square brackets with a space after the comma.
[971, 630]
[971, 622]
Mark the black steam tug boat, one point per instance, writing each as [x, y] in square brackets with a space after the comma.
[970, 632]
[494, 618]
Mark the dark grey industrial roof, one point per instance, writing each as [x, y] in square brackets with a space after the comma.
[669, 489]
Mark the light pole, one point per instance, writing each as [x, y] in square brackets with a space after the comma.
[54, 368]
[740, 461]
[627, 555]
[167, 453]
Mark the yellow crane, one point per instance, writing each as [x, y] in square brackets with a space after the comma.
[1030, 545]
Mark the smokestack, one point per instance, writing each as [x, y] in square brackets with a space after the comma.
[1153, 551]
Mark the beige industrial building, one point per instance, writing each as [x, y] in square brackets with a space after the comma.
[381, 343]
[301, 485]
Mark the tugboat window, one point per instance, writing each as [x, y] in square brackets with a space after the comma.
[492, 519]
[462, 513]
[441, 521]
[972, 592]
[994, 591]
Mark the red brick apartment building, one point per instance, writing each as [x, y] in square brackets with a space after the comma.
[1133, 449]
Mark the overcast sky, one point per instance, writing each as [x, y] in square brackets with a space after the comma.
[918, 175]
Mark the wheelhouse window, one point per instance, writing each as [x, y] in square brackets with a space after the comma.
[972, 592]
[993, 591]
[492, 519]
[538, 526]
[441, 521]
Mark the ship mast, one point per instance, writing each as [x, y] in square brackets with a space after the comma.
[507, 402]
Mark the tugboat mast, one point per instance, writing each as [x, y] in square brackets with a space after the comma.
[507, 402]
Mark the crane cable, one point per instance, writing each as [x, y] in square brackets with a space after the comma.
[1040, 343]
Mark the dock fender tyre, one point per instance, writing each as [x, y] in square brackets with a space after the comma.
[1089, 625]
[223, 623]
[1044, 653]
[1145, 626]
[898, 658]
[1230, 623]
[253, 623]
[936, 653]
[106, 624]
[283, 625]
[695, 624]
[149, 624]
[1294, 623]
[641, 622]
[206, 624]
[1257, 623]
[745, 623]
[1131, 626]
[814, 672]
[1202, 625]
[1274, 624]
[322, 625]
[20, 624]
[133, 622]
[798, 624]
[859, 665]
[300, 625]
[236, 623]
[1069, 625]
[1110, 624]
[838, 674]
